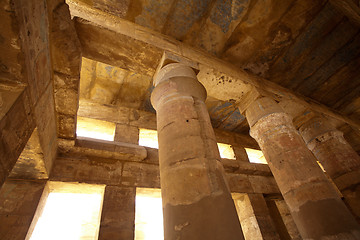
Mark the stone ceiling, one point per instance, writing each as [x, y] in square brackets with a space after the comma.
[308, 47]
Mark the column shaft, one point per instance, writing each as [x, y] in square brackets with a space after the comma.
[118, 213]
[338, 158]
[196, 200]
[314, 203]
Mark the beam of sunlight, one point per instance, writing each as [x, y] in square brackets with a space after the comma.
[148, 215]
[255, 156]
[148, 138]
[226, 151]
[93, 128]
[71, 214]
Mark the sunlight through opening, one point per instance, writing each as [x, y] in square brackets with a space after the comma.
[148, 214]
[72, 211]
[255, 156]
[148, 138]
[226, 151]
[93, 128]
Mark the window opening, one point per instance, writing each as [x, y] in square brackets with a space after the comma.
[93, 128]
[71, 211]
[255, 156]
[148, 138]
[148, 214]
[226, 151]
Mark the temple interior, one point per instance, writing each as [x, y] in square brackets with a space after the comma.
[180, 119]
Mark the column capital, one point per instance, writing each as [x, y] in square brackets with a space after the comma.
[173, 70]
[176, 80]
[315, 127]
[260, 108]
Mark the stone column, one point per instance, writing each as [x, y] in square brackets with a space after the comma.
[255, 217]
[338, 158]
[196, 199]
[317, 209]
[118, 213]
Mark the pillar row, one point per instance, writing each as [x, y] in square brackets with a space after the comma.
[338, 158]
[318, 211]
[196, 199]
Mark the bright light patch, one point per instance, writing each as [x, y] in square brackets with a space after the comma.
[93, 128]
[148, 138]
[321, 166]
[255, 156]
[148, 214]
[226, 151]
[72, 211]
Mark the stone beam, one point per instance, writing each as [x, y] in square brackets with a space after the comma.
[117, 151]
[66, 59]
[102, 149]
[214, 73]
[117, 114]
[144, 119]
[89, 166]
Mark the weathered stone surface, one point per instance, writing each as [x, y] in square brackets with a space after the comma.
[90, 170]
[331, 149]
[126, 150]
[207, 62]
[236, 140]
[126, 133]
[263, 184]
[66, 93]
[65, 45]
[16, 127]
[250, 34]
[192, 177]
[66, 59]
[117, 8]
[351, 199]
[44, 113]
[120, 51]
[18, 203]
[30, 164]
[99, 169]
[238, 166]
[240, 153]
[117, 114]
[66, 126]
[339, 160]
[141, 175]
[305, 188]
[33, 30]
[11, 59]
[287, 219]
[118, 213]
[32, 20]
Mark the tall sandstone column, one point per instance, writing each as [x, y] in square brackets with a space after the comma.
[338, 158]
[196, 199]
[317, 209]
